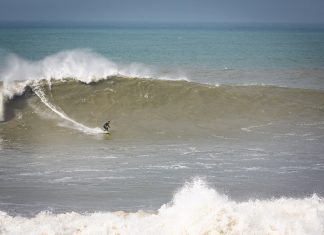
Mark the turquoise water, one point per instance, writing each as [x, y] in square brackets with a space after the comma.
[282, 56]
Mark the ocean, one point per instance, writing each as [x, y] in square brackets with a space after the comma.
[215, 129]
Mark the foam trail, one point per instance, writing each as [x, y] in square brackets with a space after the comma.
[75, 125]
[196, 209]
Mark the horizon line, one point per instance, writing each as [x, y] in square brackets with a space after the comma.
[207, 24]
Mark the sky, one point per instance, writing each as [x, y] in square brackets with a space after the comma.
[178, 11]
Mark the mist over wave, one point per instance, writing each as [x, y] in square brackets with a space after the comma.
[195, 209]
[80, 64]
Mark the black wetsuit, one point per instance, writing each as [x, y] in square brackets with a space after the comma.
[106, 126]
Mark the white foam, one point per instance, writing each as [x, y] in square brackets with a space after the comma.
[11, 89]
[80, 64]
[195, 209]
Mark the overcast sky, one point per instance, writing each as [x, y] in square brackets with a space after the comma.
[288, 11]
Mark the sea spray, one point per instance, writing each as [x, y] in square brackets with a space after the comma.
[81, 64]
[195, 209]
[14, 88]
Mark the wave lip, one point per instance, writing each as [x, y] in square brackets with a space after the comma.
[80, 64]
[195, 209]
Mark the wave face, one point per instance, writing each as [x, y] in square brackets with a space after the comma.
[195, 209]
[143, 106]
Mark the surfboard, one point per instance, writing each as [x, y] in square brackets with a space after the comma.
[106, 132]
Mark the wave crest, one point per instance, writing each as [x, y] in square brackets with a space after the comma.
[80, 64]
[84, 65]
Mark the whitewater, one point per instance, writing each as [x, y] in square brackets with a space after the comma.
[195, 209]
[81, 64]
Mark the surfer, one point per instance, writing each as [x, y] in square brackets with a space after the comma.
[106, 125]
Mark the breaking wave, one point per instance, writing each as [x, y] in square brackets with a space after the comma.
[83, 89]
[195, 209]
[80, 64]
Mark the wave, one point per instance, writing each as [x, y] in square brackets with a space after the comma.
[80, 64]
[149, 107]
[83, 89]
[194, 209]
